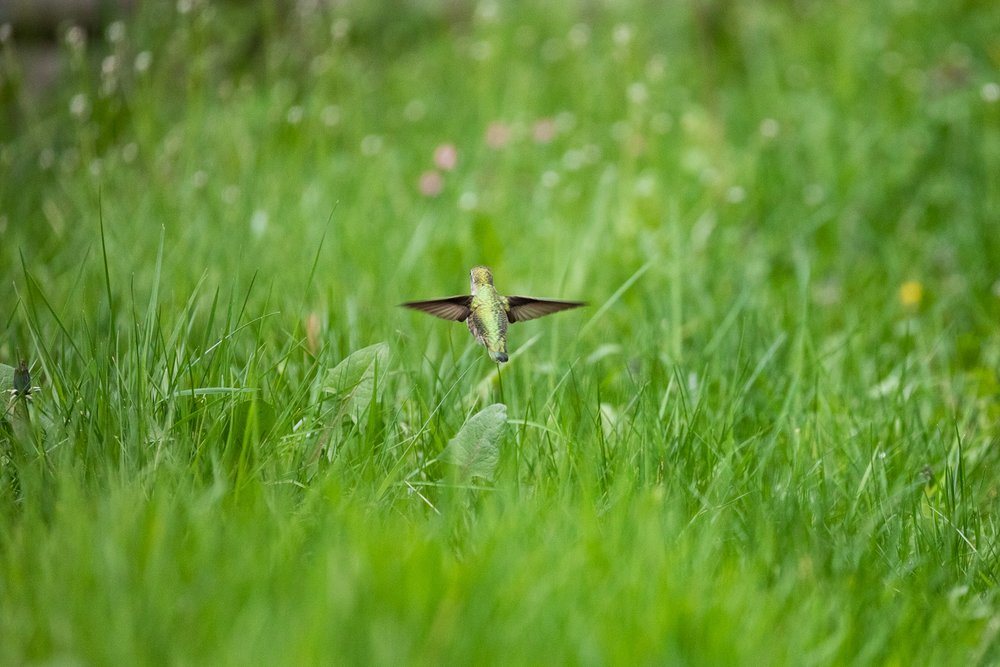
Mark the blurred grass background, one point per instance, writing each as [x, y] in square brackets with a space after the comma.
[772, 438]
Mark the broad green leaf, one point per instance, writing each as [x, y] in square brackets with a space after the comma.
[6, 378]
[353, 380]
[475, 449]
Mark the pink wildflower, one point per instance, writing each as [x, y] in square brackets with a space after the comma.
[431, 183]
[497, 134]
[544, 130]
[446, 157]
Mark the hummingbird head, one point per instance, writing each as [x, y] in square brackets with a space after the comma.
[480, 275]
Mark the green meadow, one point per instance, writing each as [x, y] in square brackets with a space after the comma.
[771, 438]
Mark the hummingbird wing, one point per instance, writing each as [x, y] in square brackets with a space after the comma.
[451, 308]
[521, 308]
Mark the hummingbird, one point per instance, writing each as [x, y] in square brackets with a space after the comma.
[488, 313]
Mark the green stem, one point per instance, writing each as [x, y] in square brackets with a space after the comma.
[500, 382]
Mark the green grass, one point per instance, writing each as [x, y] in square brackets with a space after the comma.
[756, 446]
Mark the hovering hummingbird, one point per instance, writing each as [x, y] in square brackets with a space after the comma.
[488, 313]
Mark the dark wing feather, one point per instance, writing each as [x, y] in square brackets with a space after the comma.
[452, 308]
[521, 308]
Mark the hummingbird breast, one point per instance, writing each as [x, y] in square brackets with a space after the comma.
[488, 322]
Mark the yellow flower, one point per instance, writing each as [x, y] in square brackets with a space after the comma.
[911, 293]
